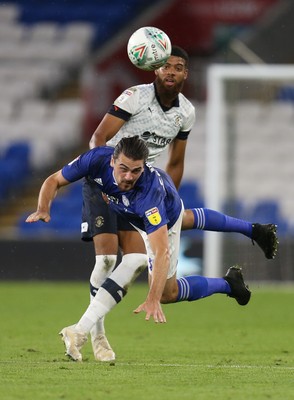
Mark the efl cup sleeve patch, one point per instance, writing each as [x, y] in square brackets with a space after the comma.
[124, 96]
[153, 216]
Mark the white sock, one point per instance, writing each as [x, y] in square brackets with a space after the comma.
[113, 290]
[102, 269]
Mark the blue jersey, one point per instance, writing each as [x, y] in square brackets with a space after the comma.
[152, 203]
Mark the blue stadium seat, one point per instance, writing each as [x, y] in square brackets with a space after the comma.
[235, 208]
[268, 211]
[60, 225]
[34, 230]
[265, 211]
[65, 216]
[14, 168]
[190, 194]
[106, 16]
[4, 179]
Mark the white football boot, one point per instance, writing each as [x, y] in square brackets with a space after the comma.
[102, 349]
[73, 341]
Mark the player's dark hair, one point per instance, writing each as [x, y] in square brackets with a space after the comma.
[132, 147]
[177, 51]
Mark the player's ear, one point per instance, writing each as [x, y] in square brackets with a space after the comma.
[112, 162]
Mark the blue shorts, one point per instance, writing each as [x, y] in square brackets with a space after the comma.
[97, 216]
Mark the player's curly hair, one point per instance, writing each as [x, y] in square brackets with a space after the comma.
[132, 147]
[179, 52]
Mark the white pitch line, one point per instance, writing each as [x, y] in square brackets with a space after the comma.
[152, 365]
[207, 366]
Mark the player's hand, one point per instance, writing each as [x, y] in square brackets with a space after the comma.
[38, 216]
[152, 309]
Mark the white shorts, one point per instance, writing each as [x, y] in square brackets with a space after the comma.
[174, 235]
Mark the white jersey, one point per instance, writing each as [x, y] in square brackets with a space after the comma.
[152, 122]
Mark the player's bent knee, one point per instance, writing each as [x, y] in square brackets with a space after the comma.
[135, 263]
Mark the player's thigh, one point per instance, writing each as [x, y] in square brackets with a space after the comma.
[99, 221]
[131, 242]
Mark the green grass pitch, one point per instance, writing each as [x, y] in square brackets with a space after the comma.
[208, 349]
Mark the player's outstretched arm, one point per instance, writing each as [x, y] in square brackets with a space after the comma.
[47, 193]
[159, 245]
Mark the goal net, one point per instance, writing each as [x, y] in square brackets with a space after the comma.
[249, 166]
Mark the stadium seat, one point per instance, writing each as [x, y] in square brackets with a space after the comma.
[79, 31]
[7, 108]
[44, 32]
[18, 90]
[268, 211]
[12, 32]
[9, 13]
[4, 179]
[17, 156]
[14, 168]
[190, 194]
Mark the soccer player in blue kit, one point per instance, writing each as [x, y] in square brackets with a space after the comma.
[146, 198]
[161, 115]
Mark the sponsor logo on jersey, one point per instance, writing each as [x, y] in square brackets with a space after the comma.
[153, 216]
[155, 140]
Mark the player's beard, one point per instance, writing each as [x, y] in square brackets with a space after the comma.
[167, 92]
[125, 186]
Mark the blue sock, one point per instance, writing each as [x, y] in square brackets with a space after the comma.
[197, 287]
[211, 220]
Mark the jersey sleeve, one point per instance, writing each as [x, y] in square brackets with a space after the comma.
[78, 168]
[119, 113]
[182, 135]
[128, 101]
[153, 211]
[187, 124]
[154, 218]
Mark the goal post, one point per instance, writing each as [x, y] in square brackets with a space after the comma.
[216, 158]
